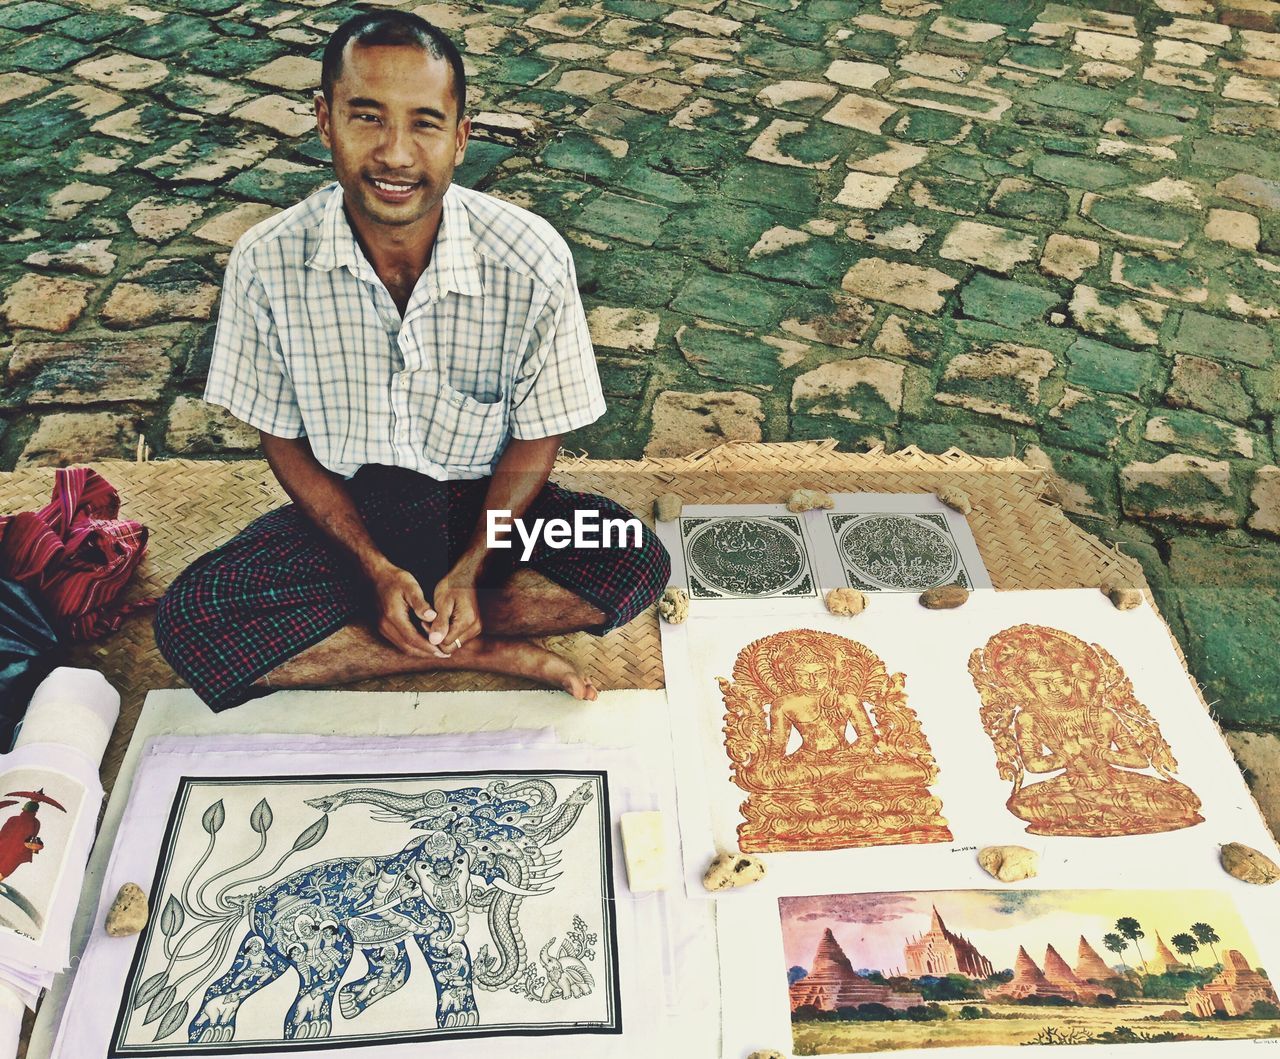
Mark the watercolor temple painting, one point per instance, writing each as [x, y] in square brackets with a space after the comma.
[884, 971]
[820, 735]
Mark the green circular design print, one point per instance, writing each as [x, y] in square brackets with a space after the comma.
[898, 553]
[745, 556]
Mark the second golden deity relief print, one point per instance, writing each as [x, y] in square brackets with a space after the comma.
[1062, 709]
[821, 737]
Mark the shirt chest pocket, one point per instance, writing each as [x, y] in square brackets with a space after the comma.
[458, 432]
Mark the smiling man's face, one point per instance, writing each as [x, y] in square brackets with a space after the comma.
[393, 130]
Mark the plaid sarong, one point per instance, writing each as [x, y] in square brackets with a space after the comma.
[280, 586]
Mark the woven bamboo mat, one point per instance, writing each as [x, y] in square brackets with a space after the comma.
[193, 506]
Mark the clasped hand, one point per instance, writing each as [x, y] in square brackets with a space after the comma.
[407, 621]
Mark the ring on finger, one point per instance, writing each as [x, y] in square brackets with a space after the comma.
[457, 643]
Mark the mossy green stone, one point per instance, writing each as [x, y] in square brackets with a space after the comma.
[1097, 477]
[1189, 497]
[852, 436]
[623, 377]
[687, 154]
[784, 58]
[1035, 203]
[975, 439]
[816, 263]
[1231, 648]
[46, 54]
[517, 70]
[94, 27]
[619, 217]
[729, 356]
[865, 44]
[741, 300]
[1095, 365]
[643, 10]
[742, 84]
[280, 187]
[47, 122]
[1151, 126]
[209, 7]
[579, 154]
[1021, 13]
[929, 126]
[1162, 279]
[796, 27]
[1222, 339]
[771, 185]
[1093, 423]
[618, 435]
[1048, 60]
[234, 57]
[32, 14]
[1143, 220]
[652, 184]
[482, 159]
[1230, 152]
[716, 229]
[1158, 99]
[820, 142]
[963, 165]
[960, 196]
[826, 10]
[1079, 98]
[1006, 302]
[1081, 172]
[1201, 433]
[628, 276]
[173, 35]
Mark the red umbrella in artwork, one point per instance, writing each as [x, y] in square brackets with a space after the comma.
[36, 796]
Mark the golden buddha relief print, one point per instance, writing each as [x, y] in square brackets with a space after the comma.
[820, 736]
[1062, 709]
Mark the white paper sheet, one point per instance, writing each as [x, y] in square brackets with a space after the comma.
[932, 649]
[341, 808]
[38, 898]
[686, 1010]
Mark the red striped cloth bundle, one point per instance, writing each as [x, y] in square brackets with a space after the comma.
[76, 555]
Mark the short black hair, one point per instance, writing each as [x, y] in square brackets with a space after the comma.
[392, 29]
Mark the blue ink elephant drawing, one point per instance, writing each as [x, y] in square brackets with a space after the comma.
[481, 852]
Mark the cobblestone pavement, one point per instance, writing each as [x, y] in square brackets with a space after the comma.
[1014, 226]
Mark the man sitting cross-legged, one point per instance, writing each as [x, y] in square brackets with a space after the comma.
[412, 353]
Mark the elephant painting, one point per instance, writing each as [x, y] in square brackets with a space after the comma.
[478, 853]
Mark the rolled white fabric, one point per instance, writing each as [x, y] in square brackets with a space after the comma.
[73, 707]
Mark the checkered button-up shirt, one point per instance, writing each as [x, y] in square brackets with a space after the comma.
[493, 343]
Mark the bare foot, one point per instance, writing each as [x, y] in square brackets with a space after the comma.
[524, 658]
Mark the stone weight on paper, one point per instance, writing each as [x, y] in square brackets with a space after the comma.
[128, 913]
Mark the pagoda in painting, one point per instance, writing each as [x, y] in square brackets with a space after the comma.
[1059, 973]
[939, 952]
[832, 983]
[1028, 981]
[1234, 991]
[1089, 965]
[1164, 961]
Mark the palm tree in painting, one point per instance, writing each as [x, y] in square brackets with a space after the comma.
[1115, 943]
[1132, 929]
[1187, 945]
[1206, 935]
